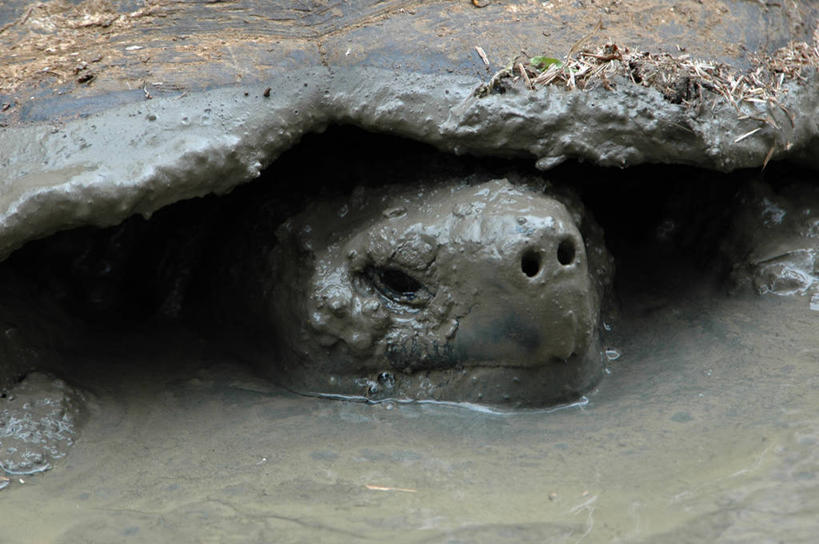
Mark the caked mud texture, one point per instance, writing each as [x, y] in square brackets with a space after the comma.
[115, 108]
[774, 240]
[38, 423]
[483, 293]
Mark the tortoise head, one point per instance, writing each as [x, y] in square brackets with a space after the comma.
[464, 293]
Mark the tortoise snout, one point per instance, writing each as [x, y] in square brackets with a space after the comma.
[562, 255]
[541, 251]
[534, 300]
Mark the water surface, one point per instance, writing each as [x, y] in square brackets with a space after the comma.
[706, 429]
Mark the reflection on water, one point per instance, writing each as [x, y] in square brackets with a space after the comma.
[706, 429]
[468, 406]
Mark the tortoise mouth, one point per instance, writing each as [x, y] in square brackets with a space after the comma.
[413, 356]
[484, 383]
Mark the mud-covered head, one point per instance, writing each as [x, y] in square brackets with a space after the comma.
[454, 292]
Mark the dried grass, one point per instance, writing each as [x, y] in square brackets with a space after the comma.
[681, 79]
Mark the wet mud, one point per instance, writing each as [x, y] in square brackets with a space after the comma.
[39, 419]
[705, 428]
[172, 149]
[774, 240]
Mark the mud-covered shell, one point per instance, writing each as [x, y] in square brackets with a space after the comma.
[110, 108]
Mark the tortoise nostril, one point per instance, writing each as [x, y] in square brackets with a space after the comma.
[565, 252]
[530, 263]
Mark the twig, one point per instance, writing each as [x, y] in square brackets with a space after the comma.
[22, 20]
[768, 157]
[579, 42]
[483, 56]
[525, 76]
[747, 135]
[384, 488]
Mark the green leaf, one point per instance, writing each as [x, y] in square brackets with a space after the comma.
[542, 63]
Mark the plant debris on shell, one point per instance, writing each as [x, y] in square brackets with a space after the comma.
[681, 79]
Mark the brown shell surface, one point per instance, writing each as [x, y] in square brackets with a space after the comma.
[62, 58]
[114, 108]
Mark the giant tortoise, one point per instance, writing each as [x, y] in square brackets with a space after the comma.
[131, 133]
[120, 108]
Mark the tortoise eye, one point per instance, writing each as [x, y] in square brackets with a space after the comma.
[399, 282]
[397, 285]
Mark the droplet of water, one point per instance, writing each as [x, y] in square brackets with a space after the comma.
[612, 354]
[386, 379]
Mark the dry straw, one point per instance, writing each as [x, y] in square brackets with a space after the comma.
[681, 79]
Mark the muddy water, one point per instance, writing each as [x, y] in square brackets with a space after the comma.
[706, 429]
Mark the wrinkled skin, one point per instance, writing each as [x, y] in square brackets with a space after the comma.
[476, 293]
